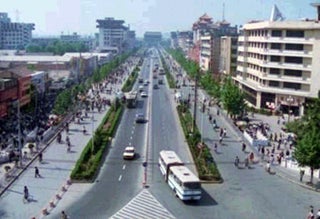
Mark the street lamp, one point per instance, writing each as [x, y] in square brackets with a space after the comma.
[289, 101]
[17, 103]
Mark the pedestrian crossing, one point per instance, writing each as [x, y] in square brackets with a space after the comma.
[143, 206]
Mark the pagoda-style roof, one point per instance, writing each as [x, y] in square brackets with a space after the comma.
[205, 17]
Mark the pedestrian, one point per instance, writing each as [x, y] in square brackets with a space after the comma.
[40, 157]
[310, 214]
[25, 194]
[246, 162]
[210, 118]
[220, 139]
[251, 157]
[301, 174]
[63, 215]
[224, 132]
[36, 172]
[244, 147]
[216, 147]
[318, 214]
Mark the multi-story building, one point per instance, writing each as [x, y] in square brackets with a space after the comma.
[210, 46]
[199, 28]
[278, 64]
[14, 35]
[185, 41]
[112, 35]
[228, 55]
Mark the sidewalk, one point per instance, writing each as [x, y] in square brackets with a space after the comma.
[47, 190]
[287, 169]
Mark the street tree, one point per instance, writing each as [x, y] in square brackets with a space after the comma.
[307, 151]
[232, 98]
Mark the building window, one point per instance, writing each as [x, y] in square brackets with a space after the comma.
[294, 60]
[295, 33]
[274, 71]
[275, 58]
[293, 73]
[276, 33]
[274, 83]
[275, 45]
[295, 86]
[298, 47]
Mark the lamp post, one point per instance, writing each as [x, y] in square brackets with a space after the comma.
[290, 101]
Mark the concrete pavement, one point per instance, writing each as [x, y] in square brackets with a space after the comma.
[288, 168]
[47, 190]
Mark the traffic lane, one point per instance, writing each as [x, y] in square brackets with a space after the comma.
[108, 183]
[168, 124]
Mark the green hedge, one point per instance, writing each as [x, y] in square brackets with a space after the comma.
[127, 87]
[203, 159]
[169, 76]
[90, 159]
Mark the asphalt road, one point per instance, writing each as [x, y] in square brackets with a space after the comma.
[245, 193]
[119, 180]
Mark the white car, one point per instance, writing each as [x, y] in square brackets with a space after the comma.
[144, 94]
[128, 153]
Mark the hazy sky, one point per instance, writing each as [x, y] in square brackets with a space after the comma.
[51, 17]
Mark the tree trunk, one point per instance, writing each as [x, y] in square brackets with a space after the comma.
[311, 177]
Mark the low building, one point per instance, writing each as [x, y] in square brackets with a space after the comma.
[8, 94]
[152, 38]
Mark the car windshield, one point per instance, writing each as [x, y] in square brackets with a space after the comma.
[129, 150]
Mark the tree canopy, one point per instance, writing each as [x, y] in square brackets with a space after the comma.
[58, 47]
[232, 98]
[307, 149]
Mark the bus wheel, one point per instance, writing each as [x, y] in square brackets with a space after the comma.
[175, 192]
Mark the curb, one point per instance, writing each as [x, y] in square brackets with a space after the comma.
[281, 174]
[45, 211]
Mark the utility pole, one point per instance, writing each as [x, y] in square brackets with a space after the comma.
[195, 103]
[19, 133]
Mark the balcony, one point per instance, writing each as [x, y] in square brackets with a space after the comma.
[278, 52]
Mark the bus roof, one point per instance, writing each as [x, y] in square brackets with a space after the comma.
[131, 95]
[184, 174]
[170, 157]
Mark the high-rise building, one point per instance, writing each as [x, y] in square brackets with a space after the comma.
[278, 64]
[112, 35]
[14, 35]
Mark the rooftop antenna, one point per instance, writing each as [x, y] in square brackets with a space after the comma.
[223, 11]
[17, 15]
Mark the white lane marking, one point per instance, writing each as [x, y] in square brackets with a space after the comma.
[130, 137]
[132, 132]
[130, 143]
[124, 167]
[120, 177]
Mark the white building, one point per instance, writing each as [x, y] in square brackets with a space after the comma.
[113, 35]
[278, 64]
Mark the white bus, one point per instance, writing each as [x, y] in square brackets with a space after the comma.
[166, 160]
[181, 180]
[131, 99]
[184, 183]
